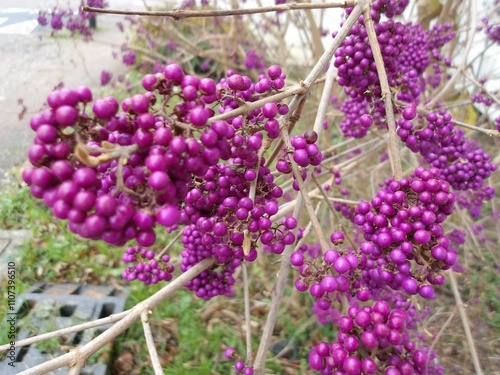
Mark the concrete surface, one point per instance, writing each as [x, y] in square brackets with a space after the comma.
[32, 64]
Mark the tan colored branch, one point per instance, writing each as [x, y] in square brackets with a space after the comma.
[465, 323]
[153, 354]
[65, 331]
[178, 14]
[394, 155]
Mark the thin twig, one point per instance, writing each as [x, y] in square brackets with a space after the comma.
[354, 161]
[306, 231]
[65, 331]
[166, 248]
[394, 155]
[352, 149]
[448, 321]
[488, 132]
[153, 354]
[479, 85]
[465, 323]
[179, 14]
[248, 328]
[307, 201]
[288, 346]
[332, 210]
[250, 106]
[75, 369]
[470, 42]
[272, 316]
[338, 200]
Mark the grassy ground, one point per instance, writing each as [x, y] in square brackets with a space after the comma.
[190, 334]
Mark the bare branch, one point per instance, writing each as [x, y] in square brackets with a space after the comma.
[248, 328]
[307, 201]
[488, 132]
[179, 14]
[470, 42]
[465, 323]
[65, 331]
[394, 155]
[153, 354]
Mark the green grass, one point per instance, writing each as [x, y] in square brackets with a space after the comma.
[54, 254]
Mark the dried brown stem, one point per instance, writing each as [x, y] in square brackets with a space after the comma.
[441, 331]
[303, 192]
[178, 14]
[333, 199]
[330, 207]
[76, 368]
[153, 354]
[436, 97]
[65, 331]
[272, 316]
[465, 323]
[166, 248]
[394, 155]
[248, 327]
[248, 107]
[488, 132]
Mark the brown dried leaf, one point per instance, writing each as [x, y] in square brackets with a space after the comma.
[209, 312]
[82, 155]
[124, 364]
[247, 242]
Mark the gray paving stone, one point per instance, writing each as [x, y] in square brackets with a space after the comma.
[54, 306]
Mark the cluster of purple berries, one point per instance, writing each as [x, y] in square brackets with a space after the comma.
[115, 175]
[224, 222]
[492, 29]
[355, 62]
[358, 74]
[390, 8]
[305, 152]
[438, 36]
[401, 226]
[328, 275]
[462, 163]
[400, 300]
[481, 97]
[371, 340]
[66, 18]
[215, 281]
[102, 198]
[357, 120]
[146, 268]
[407, 52]
[234, 89]
[473, 200]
